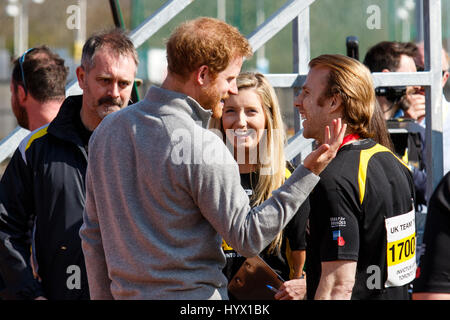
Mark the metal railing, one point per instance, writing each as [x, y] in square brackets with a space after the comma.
[430, 79]
[297, 11]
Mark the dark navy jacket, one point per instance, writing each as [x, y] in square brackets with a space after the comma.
[42, 197]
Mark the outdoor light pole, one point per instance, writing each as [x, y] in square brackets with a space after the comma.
[403, 13]
[262, 63]
[80, 32]
[18, 9]
[221, 10]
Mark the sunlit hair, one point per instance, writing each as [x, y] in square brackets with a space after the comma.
[352, 81]
[378, 128]
[273, 167]
[204, 41]
[44, 73]
[115, 40]
[388, 54]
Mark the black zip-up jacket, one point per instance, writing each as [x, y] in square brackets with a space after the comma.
[42, 197]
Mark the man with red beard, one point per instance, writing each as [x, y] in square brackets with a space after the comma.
[162, 190]
[42, 192]
[37, 87]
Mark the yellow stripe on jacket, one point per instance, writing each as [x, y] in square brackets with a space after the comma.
[363, 164]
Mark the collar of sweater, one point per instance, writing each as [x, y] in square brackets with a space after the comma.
[182, 102]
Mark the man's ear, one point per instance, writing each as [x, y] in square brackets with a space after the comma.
[81, 76]
[445, 78]
[336, 102]
[202, 75]
[21, 94]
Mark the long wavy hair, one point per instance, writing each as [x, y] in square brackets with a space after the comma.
[352, 81]
[271, 163]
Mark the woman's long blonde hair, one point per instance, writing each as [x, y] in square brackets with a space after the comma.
[273, 167]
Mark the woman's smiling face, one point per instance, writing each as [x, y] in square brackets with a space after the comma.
[243, 119]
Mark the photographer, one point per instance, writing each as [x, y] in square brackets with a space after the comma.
[407, 103]
[397, 102]
[402, 102]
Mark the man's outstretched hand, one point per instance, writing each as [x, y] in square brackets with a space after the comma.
[318, 159]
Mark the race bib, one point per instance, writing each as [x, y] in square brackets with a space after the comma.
[401, 249]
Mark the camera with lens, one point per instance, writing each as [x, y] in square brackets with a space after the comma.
[393, 94]
[396, 95]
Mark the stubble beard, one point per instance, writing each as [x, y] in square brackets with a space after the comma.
[217, 111]
[212, 101]
[20, 113]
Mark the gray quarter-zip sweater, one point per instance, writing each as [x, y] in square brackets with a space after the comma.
[162, 192]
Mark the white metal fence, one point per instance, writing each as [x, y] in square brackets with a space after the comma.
[297, 11]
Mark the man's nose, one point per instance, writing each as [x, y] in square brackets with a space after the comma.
[298, 101]
[113, 90]
[233, 87]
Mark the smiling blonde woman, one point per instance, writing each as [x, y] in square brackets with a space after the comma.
[252, 127]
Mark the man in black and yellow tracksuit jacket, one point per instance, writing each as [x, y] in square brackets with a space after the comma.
[42, 197]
